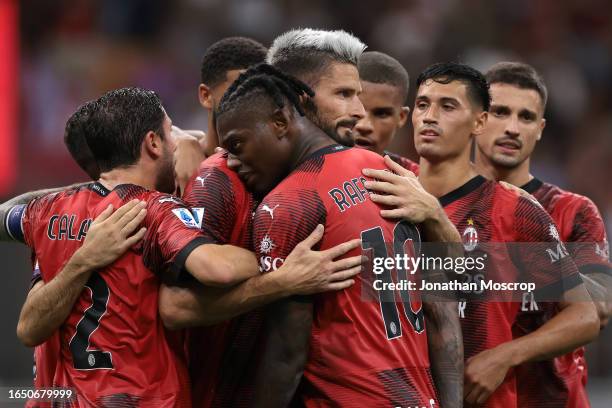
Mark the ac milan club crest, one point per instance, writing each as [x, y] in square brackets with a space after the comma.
[470, 236]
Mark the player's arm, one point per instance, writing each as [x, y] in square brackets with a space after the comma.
[48, 304]
[22, 200]
[187, 156]
[288, 322]
[588, 245]
[288, 326]
[598, 285]
[175, 246]
[221, 265]
[401, 190]
[445, 342]
[409, 201]
[304, 272]
[574, 325]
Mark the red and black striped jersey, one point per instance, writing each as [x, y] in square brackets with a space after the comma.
[580, 225]
[404, 162]
[516, 236]
[561, 382]
[220, 356]
[45, 356]
[114, 349]
[366, 349]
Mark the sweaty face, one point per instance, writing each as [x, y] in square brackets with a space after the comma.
[337, 105]
[444, 119]
[165, 178]
[514, 126]
[383, 116]
[256, 152]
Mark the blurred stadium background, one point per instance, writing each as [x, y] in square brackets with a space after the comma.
[56, 55]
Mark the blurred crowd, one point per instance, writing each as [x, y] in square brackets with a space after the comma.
[73, 50]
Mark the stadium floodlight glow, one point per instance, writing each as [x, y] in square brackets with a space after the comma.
[9, 99]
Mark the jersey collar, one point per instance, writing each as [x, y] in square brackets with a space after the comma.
[462, 191]
[99, 189]
[333, 148]
[532, 186]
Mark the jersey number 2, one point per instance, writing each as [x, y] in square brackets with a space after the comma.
[82, 357]
[373, 239]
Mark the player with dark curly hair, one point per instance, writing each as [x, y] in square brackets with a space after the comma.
[308, 179]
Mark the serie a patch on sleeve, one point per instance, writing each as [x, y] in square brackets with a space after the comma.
[192, 218]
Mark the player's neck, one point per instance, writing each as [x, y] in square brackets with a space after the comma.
[212, 139]
[518, 176]
[306, 145]
[442, 177]
[127, 175]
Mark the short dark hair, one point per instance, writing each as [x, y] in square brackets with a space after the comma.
[264, 80]
[519, 74]
[307, 53]
[380, 68]
[228, 54]
[118, 123]
[76, 141]
[447, 72]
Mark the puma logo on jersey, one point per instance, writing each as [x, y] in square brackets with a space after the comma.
[270, 210]
[202, 179]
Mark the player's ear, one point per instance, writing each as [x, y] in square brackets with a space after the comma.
[542, 126]
[403, 116]
[205, 96]
[152, 145]
[280, 122]
[480, 122]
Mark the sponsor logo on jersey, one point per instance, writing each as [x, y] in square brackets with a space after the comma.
[202, 179]
[559, 252]
[470, 236]
[267, 263]
[266, 245]
[191, 219]
[270, 210]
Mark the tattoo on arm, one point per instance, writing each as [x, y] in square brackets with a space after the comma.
[445, 351]
[444, 336]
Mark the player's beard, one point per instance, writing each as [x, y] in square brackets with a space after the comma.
[165, 179]
[506, 161]
[330, 128]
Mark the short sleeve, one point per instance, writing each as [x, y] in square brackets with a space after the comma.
[544, 259]
[173, 232]
[588, 242]
[283, 220]
[224, 200]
